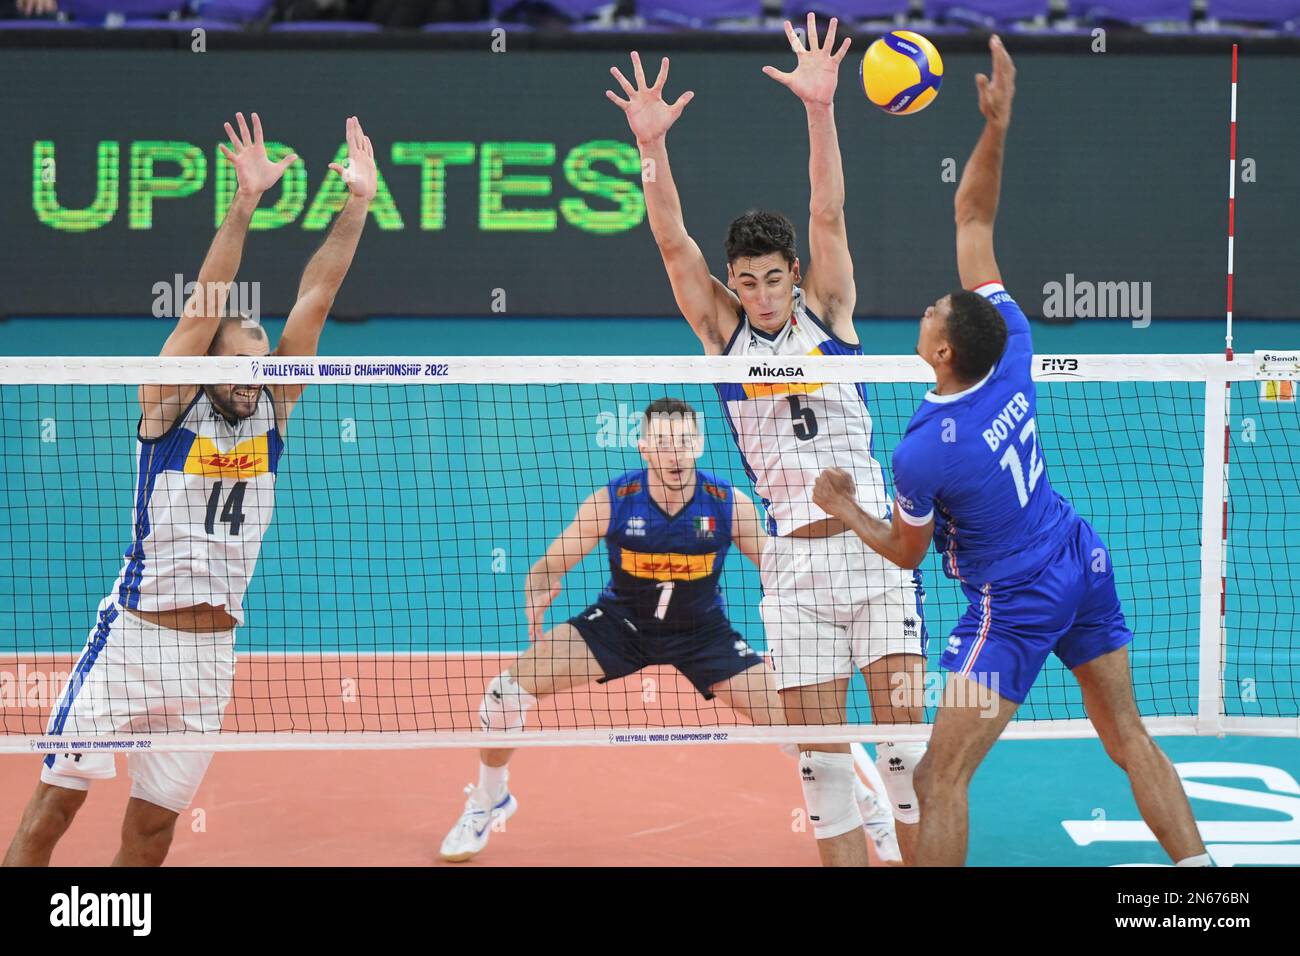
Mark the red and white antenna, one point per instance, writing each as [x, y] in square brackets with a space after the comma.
[1227, 386]
[1232, 192]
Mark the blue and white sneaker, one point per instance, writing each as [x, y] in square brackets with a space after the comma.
[878, 824]
[480, 817]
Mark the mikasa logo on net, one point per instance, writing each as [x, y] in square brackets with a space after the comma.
[103, 909]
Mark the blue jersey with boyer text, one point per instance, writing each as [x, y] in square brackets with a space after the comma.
[974, 461]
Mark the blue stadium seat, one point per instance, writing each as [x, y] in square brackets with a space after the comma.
[695, 14]
[38, 23]
[452, 26]
[239, 11]
[135, 23]
[1133, 11]
[326, 26]
[986, 12]
[1279, 14]
[849, 11]
[572, 9]
[97, 11]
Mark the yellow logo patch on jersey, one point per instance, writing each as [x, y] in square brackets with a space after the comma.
[777, 389]
[761, 390]
[668, 567]
[246, 460]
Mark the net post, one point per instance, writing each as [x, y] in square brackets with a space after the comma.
[1209, 709]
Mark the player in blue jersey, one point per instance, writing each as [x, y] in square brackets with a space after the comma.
[668, 528]
[970, 472]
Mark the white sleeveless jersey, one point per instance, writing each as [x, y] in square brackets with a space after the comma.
[204, 495]
[789, 432]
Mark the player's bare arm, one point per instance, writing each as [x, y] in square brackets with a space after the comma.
[976, 202]
[712, 310]
[829, 285]
[584, 532]
[895, 540]
[198, 322]
[747, 530]
[327, 269]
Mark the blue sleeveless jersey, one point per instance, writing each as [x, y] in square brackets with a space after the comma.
[974, 460]
[664, 570]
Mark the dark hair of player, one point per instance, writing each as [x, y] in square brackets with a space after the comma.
[673, 407]
[229, 323]
[977, 333]
[760, 233]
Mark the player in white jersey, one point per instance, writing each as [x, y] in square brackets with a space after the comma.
[161, 657]
[831, 605]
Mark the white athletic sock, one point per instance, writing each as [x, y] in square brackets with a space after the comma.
[1202, 860]
[493, 779]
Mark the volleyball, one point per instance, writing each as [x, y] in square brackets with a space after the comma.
[901, 72]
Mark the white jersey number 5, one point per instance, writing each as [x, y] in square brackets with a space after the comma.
[1011, 460]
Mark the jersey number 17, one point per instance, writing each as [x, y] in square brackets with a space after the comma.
[1011, 461]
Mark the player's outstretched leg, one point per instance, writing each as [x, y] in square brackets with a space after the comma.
[753, 695]
[895, 685]
[827, 772]
[1108, 696]
[560, 661]
[147, 831]
[969, 722]
[46, 818]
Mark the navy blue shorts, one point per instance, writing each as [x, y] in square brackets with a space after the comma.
[711, 652]
[1068, 607]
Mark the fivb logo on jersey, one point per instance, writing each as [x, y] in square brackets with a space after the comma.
[218, 298]
[78, 909]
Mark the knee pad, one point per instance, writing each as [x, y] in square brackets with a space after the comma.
[505, 704]
[896, 763]
[828, 792]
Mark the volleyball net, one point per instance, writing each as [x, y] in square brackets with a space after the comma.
[412, 496]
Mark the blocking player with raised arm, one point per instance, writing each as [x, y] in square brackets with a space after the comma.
[161, 657]
[830, 604]
[970, 473]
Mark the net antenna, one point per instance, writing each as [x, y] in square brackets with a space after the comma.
[1227, 386]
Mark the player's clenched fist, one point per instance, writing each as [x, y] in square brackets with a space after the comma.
[835, 493]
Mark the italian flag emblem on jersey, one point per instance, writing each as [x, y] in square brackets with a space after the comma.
[705, 526]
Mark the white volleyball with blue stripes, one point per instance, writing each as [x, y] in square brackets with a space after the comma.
[902, 72]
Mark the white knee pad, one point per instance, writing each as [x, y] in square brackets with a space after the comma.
[896, 763]
[505, 704]
[827, 780]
